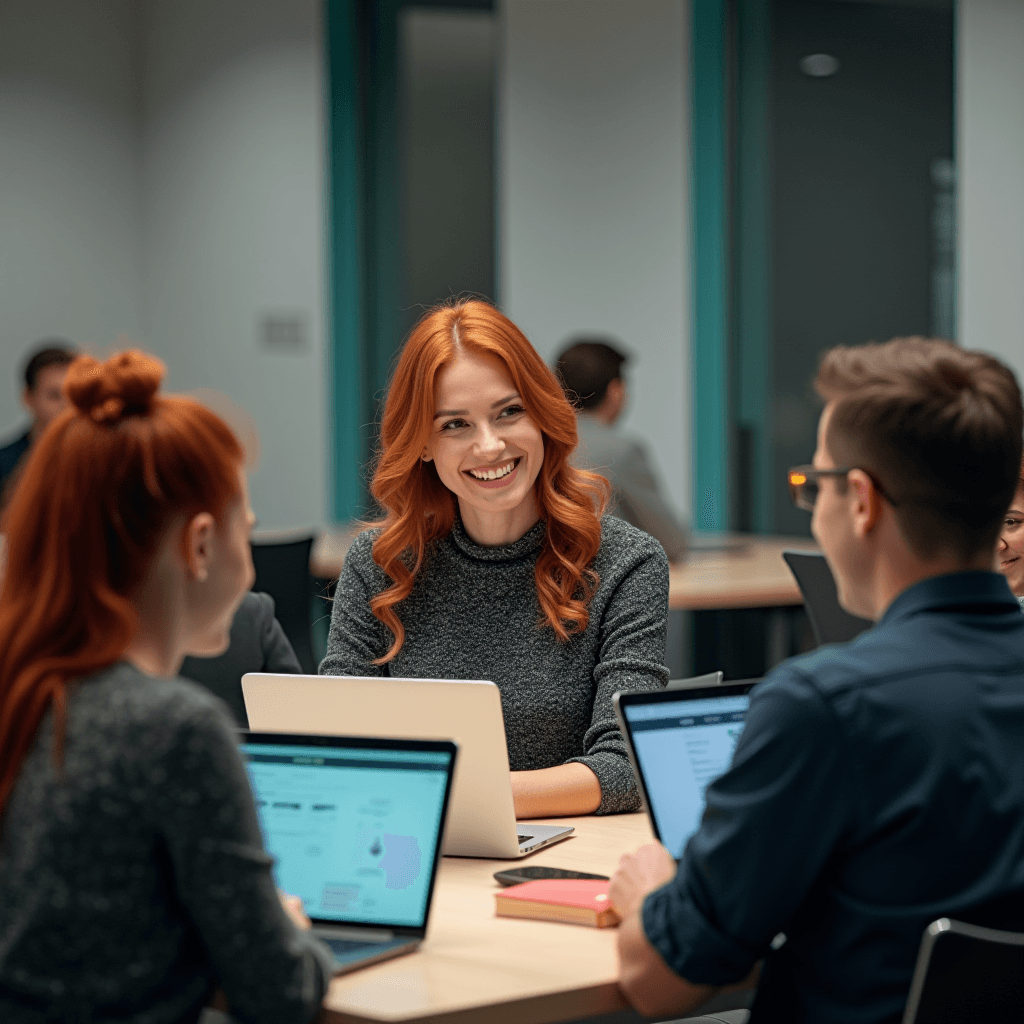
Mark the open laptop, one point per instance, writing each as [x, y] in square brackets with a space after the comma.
[679, 742]
[482, 821]
[355, 828]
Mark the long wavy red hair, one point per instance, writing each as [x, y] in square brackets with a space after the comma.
[101, 487]
[420, 509]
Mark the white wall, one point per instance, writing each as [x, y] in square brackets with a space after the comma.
[593, 166]
[990, 163]
[161, 177]
[233, 223]
[69, 187]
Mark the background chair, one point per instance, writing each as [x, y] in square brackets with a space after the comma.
[967, 974]
[830, 623]
[694, 682]
[282, 571]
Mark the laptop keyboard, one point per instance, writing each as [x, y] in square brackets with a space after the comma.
[340, 946]
[524, 839]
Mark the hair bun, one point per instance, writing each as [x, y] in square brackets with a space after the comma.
[124, 385]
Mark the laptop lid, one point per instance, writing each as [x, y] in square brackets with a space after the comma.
[679, 742]
[354, 824]
[481, 818]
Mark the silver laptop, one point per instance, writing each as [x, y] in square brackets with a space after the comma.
[680, 741]
[355, 828]
[482, 820]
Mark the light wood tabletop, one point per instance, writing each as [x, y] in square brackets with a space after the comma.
[476, 967]
[751, 575]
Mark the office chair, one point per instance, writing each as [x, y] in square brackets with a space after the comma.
[695, 682]
[282, 571]
[967, 974]
[830, 623]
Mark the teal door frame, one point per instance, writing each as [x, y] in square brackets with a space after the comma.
[731, 266]
[345, 348]
[363, 236]
[710, 262]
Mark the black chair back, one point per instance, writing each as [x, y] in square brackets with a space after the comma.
[696, 682]
[967, 974]
[282, 571]
[830, 623]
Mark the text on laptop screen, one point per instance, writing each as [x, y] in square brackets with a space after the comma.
[681, 747]
[353, 831]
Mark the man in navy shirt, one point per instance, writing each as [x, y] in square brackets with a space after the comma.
[877, 785]
[43, 397]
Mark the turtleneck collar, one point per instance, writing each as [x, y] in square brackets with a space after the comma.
[526, 545]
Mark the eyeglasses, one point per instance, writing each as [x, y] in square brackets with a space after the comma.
[804, 486]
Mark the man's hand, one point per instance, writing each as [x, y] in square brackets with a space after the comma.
[645, 980]
[640, 873]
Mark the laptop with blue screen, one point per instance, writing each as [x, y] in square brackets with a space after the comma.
[355, 828]
[679, 742]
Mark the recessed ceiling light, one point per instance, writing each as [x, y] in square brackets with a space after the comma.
[819, 65]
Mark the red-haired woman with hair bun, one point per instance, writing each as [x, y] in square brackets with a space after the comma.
[133, 880]
[494, 561]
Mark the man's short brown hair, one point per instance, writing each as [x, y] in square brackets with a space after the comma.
[938, 427]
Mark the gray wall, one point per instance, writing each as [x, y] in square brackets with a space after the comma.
[161, 177]
[593, 164]
[70, 244]
[990, 126]
[232, 172]
[448, 66]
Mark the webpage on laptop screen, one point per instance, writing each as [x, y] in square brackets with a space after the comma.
[682, 747]
[353, 832]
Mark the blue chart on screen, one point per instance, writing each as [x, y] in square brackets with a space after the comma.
[353, 832]
[682, 747]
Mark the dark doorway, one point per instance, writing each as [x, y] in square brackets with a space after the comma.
[861, 196]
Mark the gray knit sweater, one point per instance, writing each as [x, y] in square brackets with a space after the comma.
[133, 879]
[473, 614]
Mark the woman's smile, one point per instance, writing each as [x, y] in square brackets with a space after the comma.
[491, 477]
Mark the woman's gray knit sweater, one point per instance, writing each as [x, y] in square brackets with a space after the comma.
[133, 879]
[473, 614]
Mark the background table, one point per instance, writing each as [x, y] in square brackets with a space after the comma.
[735, 608]
[750, 575]
[476, 967]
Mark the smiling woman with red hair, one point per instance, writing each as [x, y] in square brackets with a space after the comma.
[494, 561]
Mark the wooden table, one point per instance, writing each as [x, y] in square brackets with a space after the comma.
[752, 576]
[476, 967]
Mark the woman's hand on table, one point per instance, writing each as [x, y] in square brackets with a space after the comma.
[564, 791]
[638, 874]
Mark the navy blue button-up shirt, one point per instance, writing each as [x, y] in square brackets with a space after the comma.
[876, 786]
[11, 454]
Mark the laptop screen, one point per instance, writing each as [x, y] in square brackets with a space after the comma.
[354, 829]
[681, 746]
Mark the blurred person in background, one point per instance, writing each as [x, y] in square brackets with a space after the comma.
[43, 397]
[258, 644]
[591, 373]
[1010, 549]
[133, 878]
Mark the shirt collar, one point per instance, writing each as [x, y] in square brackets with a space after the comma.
[526, 545]
[959, 589]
